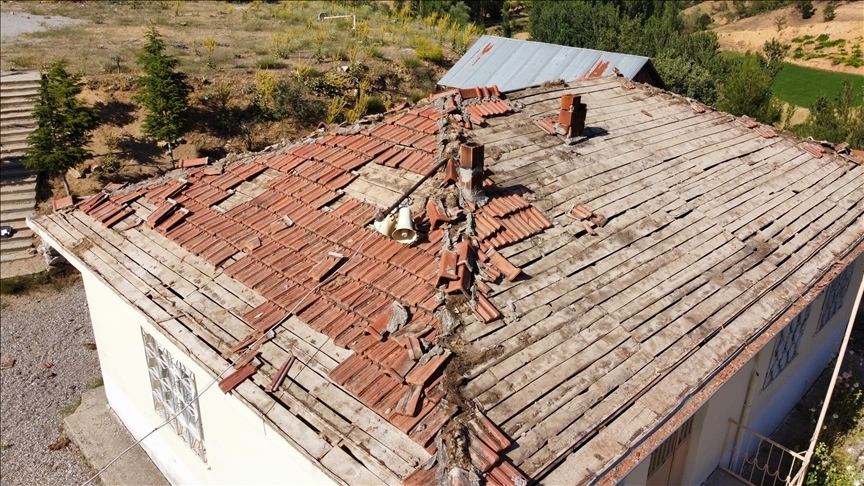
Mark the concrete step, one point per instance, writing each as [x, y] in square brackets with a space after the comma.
[15, 173]
[16, 216]
[14, 104]
[7, 207]
[12, 147]
[8, 105]
[19, 91]
[9, 139]
[18, 198]
[12, 131]
[13, 245]
[18, 118]
[14, 256]
[17, 225]
[11, 163]
[19, 184]
[25, 235]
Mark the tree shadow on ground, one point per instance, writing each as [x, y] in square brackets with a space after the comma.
[116, 113]
[141, 150]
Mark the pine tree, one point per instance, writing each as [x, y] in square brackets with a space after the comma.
[163, 92]
[64, 124]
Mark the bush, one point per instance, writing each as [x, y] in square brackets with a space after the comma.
[412, 62]
[828, 14]
[430, 53]
[269, 62]
[375, 104]
[416, 96]
[806, 8]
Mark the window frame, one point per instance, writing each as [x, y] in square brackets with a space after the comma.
[174, 393]
[786, 345]
[835, 296]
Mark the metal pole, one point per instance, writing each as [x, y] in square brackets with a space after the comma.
[842, 353]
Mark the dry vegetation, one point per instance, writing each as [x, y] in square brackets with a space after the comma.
[787, 26]
[236, 56]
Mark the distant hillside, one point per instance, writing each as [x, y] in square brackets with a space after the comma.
[838, 49]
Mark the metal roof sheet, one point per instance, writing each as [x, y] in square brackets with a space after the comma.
[516, 64]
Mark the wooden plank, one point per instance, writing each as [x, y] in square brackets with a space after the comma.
[532, 386]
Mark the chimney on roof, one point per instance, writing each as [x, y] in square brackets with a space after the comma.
[571, 117]
[471, 170]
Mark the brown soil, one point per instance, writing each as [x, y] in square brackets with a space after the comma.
[245, 36]
[751, 33]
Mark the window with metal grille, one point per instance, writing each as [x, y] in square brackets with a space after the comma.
[669, 446]
[834, 296]
[787, 345]
[175, 396]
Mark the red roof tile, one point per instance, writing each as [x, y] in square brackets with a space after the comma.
[184, 163]
[231, 381]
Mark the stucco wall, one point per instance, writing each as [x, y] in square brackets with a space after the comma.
[240, 447]
[770, 404]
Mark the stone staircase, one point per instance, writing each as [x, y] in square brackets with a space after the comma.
[17, 183]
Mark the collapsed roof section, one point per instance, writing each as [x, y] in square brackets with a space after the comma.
[588, 255]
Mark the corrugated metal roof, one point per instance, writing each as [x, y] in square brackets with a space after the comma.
[516, 64]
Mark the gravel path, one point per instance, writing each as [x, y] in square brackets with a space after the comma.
[37, 330]
[14, 23]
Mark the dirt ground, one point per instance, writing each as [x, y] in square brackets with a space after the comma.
[104, 38]
[751, 33]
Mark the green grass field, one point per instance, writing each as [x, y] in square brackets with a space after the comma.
[800, 86]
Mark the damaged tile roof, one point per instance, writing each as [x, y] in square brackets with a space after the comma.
[582, 287]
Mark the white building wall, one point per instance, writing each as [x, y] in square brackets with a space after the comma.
[814, 353]
[240, 447]
[770, 404]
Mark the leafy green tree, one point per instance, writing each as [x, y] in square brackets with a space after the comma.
[163, 92]
[64, 124]
[806, 8]
[747, 90]
[774, 50]
[828, 13]
[688, 58]
[837, 120]
[506, 26]
[686, 77]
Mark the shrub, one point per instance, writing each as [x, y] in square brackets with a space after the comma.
[372, 51]
[429, 52]
[412, 62]
[375, 104]
[828, 14]
[806, 8]
[416, 96]
[269, 62]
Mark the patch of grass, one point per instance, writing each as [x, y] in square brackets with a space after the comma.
[70, 408]
[412, 62]
[269, 62]
[97, 383]
[27, 283]
[417, 96]
[801, 86]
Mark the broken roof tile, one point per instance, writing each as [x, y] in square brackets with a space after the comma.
[185, 163]
[231, 381]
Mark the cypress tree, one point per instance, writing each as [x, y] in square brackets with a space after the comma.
[64, 124]
[163, 92]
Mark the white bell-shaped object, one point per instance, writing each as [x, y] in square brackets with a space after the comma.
[385, 226]
[404, 232]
